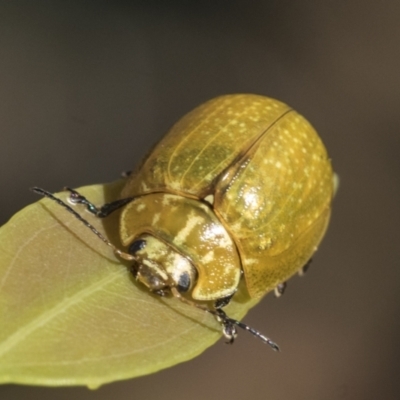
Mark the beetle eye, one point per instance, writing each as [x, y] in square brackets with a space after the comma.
[184, 282]
[136, 246]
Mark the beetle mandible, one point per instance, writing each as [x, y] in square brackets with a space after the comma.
[241, 185]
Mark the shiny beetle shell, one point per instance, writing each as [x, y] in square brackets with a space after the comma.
[241, 183]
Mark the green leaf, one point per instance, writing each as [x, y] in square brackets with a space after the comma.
[70, 312]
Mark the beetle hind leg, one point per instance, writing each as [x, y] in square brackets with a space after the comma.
[280, 289]
[305, 267]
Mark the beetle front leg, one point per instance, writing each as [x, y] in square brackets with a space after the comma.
[228, 328]
[101, 212]
[230, 332]
[220, 303]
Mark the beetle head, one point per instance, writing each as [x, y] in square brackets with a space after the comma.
[160, 267]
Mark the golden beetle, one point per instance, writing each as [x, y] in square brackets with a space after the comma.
[240, 185]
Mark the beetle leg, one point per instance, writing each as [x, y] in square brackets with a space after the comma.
[228, 324]
[305, 268]
[280, 289]
[126, 174]
[229, 329]
[101, 212]
[220, 303]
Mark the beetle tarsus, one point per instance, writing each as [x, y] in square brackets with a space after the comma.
[230, 332]
[228, 328]
[280, 289]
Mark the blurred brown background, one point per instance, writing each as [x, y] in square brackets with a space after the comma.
[87, 87]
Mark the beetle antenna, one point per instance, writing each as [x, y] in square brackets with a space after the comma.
[49, 195]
